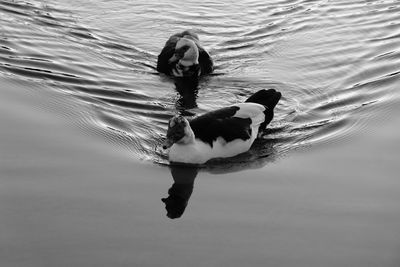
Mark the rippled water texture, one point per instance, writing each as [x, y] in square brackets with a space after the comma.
[83, 111]
[335, 62]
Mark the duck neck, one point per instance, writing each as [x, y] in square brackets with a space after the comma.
[188, 138]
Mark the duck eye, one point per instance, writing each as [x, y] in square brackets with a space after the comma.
[179, 53]
[176, 136]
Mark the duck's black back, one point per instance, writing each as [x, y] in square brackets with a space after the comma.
[221, 123]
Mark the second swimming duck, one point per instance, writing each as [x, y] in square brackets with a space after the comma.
[183, 56]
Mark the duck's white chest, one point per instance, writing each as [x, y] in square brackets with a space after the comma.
[195, 153]
[199, 152]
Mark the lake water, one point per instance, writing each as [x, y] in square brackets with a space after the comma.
[83, 113]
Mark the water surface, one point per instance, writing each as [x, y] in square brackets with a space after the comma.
[335, 63]
[84, 112]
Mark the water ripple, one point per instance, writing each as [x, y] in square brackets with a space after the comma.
[335, 62]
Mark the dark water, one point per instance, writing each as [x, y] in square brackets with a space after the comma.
[337, 64]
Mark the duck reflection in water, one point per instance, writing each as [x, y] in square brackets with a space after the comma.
[262, 153]
[180, 191]
[187, 87]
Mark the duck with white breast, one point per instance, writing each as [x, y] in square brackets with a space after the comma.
[222, 133]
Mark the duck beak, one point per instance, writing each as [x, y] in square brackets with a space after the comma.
[167, 143]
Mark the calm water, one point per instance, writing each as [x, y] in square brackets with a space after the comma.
[84, 112]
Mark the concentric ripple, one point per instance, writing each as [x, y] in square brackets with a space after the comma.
[335, 62]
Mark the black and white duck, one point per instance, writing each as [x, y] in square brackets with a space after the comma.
[183, 56]
[222, 133]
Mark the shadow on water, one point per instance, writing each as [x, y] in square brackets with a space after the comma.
[187, 88]
[180, 191]
[183, 175]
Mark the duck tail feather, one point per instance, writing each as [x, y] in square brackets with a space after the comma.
[268, 98]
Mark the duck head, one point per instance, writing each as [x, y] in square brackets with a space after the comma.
[185, 58]
[179, 132]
